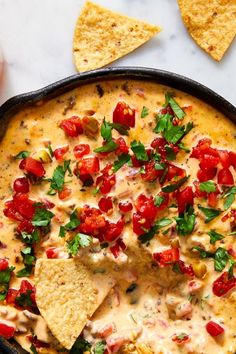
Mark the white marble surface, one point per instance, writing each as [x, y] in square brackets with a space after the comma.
[36, 39]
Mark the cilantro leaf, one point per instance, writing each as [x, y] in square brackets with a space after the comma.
[106, 130]
[80, 346]
[185, 223]
[24, 272]
[145, 112]
[122, 160]
[174, 105]
[162, 120]
[74, 221]
[208, 186]
[170, 154]
[24, 299]
[107, 147]
[58, 177]
[30, 238]
[158, 200]
[210, 213]
[80, 240]
[99, 347]
[159, 166]
[22, 155]
[28, 260]
[162, 223]
[203, 253]
[42, 217]
[33, 349]
[183, 147]
[229, 197]
[146, 237]
[139, 150]
[174, 186]
[121, 128]
[214, 236]
[5, 276]
[221, 259]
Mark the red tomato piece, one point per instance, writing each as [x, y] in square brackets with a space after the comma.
[203, 148]
[80, 150]
[140, 224]
[225, 177]
[166, 257]
[184, 199]
[174, 171]
[212, 199]
[224, 158]
[11, 296]
[72, 126]
[180, 339]
[25, 226]
[60, 152]
[206, 174]
[106, 330]
[232, 158]
[185, 269]
[37, 343]
[25, 286]
[113, 230]
[105, 204]
[115, 250]
[92, 221]
[106, 180]
[125, 207]
[11, 212]
[3, 264]
[159, 145]
[24, 205]
[115, 343]
[7, 331]
[21, 185]
[33, 166]
[124, 114]
[145, 207]
[65, 193]
[150, 174]
[123, 147]
[52, 252]
[88, 165]
[223, 284]
[214, 329]
[209, 161]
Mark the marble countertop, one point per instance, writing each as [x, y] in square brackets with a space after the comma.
[36, 40]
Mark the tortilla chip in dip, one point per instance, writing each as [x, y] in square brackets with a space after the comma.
[102, 36]
[67, 295]
[212, 24]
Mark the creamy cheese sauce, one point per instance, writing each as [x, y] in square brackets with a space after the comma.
[161, 303]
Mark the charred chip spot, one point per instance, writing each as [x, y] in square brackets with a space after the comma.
[100, 90]
[131, 288]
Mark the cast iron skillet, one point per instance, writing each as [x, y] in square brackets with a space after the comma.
[159, 76]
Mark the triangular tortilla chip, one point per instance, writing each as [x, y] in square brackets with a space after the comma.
[212, 24]
[102, 36]
[67, 295]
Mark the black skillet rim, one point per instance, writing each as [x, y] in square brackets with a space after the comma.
[139, 73]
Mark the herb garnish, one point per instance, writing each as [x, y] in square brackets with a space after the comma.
[99, 347]
[208, 186]
[42, 217]
[145, 112]
[174, 186]
[185, 222]
[28, 260]
[5, 276]
[30, 238]
[22, 155]
[139, 150]
[210, 213]
[109, 146]
[158, 200]
[174, 105]
[229, 197]
[80, 346]
[122, 160]
[170, 154]
[24, 299]
[221, 257]
[106, 130]
[71, 225]
[214, 236]
[157, 226]
[80, 240]
[58, 177]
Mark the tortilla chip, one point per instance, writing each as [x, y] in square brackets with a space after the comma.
[67, 295]
[212, 24]
[102, 36]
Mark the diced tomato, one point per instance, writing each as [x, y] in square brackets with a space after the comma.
[37, 343]
[166, 257]
[72, 126]
[33, 166]
[149, 173]
[65, 193]
[224, 158]
[52, 252]
[25, 286]
[203, 148]
[24, 205]
[229, 215]
[136, 162]
[21, 185]
[197, 192]
[105, 204]
[223, 284]
[145, 206]
[60, 152]
[7, 331]
[166, 110]
[115, 250]
[11, 212]
[115, 343]
[174, 171]
[232, 158]
[80, 150]
[209, 161]
[3, 264]
[11, 296]
[206, 174]
[124, 114]
[106, 330]
[225, 177]
[159, 145]
[140, 224]
[125, 207]
[47, 203]
[92, 221]
[185, 269]
[88, 165]
[113, 230]
[214, 329]
[121, 243]
[106, 180]
[123, 147]
[212, 199]
[180, 339]
[184, 199]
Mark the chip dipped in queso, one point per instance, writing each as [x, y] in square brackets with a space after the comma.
[118, 222]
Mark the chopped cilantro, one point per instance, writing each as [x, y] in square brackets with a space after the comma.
[221, 257]
[185, 223]
[122, 129]
[203, 253]
[183, 147]
[229, 197]
[99, 347]
[208, 186]
[170, 154]
[71, 225]
[30, 238]
[5, 276]
[24, 272]
[122, 160]
[50, 150]
[28, 260]
[107, 147]
[42, 217]
[106, 130]
[139, 150]
[174, 105]
[162, 120]
[174, 186]
[80, 240]
[58, 177]
[210, 213]
[24, 299]
[22, 155]
[146, 237]
[158, 200]
[159, 166]
[80, 346]
[145, 112]
[162, 223]
[214, 236]
[33, 349]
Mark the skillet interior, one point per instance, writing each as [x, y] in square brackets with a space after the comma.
[159, 76]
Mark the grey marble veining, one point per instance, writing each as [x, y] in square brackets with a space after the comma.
[36, 39]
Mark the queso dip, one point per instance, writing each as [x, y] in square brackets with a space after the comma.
[137, 180]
